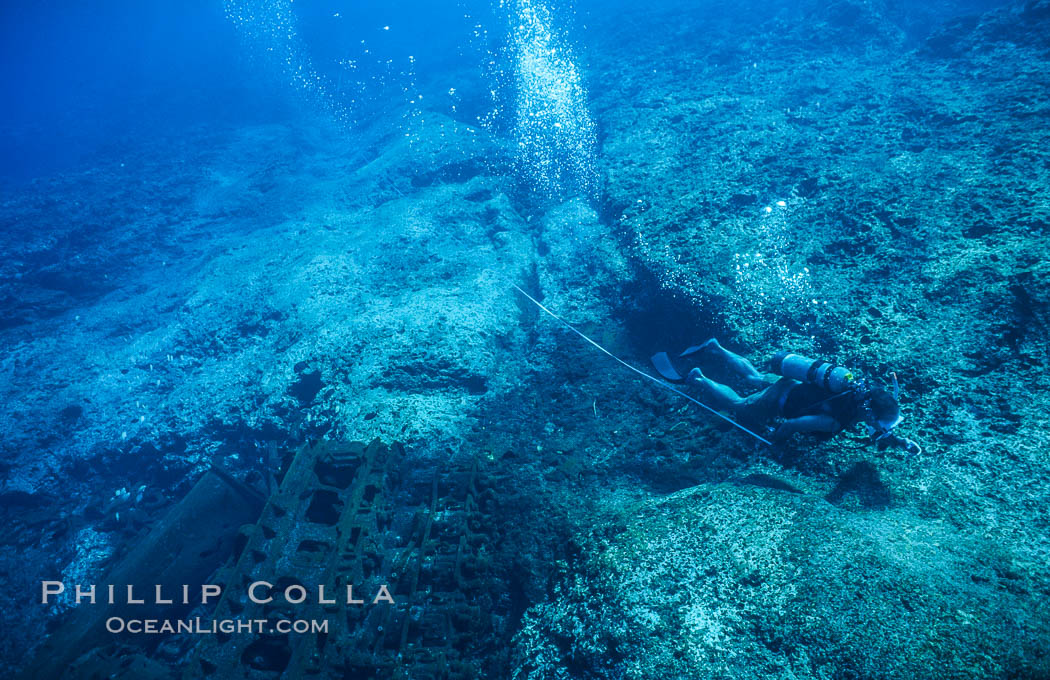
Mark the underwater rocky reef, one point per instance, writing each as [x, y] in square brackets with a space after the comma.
[307, 346]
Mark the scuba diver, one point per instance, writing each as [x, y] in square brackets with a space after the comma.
[805, 395]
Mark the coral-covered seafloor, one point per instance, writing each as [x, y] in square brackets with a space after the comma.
[844, 182]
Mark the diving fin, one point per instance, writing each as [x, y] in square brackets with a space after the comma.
[662, 363]
[694, 349]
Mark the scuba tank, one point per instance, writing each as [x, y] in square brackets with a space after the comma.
[835, 379]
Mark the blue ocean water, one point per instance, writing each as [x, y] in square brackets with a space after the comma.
[353, 297]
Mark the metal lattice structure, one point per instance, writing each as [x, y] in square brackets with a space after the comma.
[339, 518]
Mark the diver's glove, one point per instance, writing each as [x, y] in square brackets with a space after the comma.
[907, 445]
[910, 446]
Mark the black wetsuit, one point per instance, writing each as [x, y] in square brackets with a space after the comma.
[796, 400]
[791, 399]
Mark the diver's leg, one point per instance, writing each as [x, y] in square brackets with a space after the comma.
[715, 395]
[764, 406]
[755, 411]
[736, 363]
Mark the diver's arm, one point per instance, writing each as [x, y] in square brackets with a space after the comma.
[807, 424]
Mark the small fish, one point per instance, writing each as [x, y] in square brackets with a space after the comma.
[767, 482]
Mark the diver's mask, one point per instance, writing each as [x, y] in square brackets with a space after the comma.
[883, 430]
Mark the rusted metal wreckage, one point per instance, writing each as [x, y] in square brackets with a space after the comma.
[343, 515]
